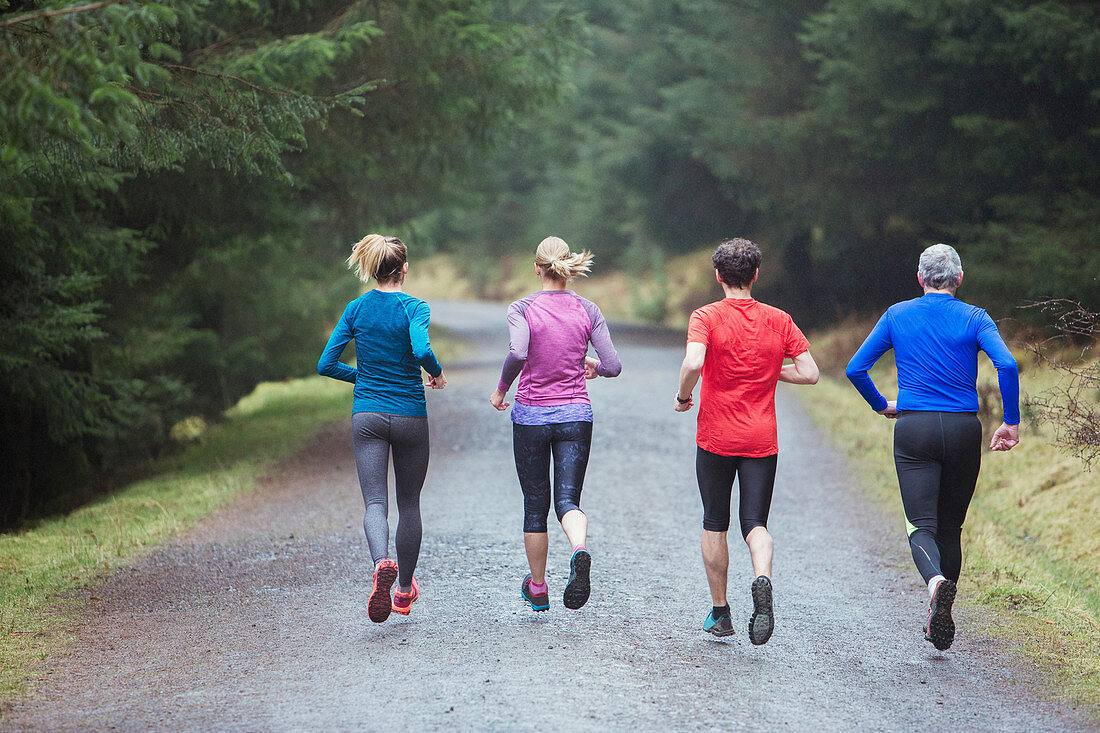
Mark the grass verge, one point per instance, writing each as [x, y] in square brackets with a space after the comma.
[43, 562]
[1031, 542]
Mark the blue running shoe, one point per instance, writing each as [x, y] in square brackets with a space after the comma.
[540, 602]
[721, 626]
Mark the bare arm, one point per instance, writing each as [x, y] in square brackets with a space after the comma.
[803, 371]
[689, 374]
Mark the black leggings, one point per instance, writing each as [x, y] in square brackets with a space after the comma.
[570, 443]
[755, 481]
[937, 456]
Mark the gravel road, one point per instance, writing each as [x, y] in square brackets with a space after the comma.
[256, 619]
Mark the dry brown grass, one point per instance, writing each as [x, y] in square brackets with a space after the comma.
[663, 298]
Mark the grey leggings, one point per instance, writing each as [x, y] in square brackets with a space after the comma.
[373, 436]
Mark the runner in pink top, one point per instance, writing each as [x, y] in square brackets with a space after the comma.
[555, 374]
[549, 334]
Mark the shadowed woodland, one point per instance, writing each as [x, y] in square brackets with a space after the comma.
[180, 182]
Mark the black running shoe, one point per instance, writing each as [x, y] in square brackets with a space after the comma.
[721, 626]
[578, 587]
[761, 622]
[940, 629]
[539, 602]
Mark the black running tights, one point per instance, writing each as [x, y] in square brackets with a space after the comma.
[937, 456]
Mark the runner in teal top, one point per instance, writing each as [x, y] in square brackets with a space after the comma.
[389, 416]
[391, 346]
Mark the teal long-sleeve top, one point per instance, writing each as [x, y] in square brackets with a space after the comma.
[936, 340]
[391, 346]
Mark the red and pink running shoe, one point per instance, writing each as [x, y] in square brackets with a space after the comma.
[379, 604]
[402, 602]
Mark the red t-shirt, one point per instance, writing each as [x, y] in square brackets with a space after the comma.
[746, 343]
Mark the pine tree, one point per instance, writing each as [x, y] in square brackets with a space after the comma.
[176, 180]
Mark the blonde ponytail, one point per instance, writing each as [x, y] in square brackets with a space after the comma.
[554, 259]
[379, 257]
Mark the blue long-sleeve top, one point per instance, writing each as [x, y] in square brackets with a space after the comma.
[391, 346]
[936, 339]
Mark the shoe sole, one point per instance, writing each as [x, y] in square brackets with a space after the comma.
[941, 627]
[380, 604]
[762, 622]
[579, 587]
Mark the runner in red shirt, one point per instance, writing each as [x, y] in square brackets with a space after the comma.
[738, 345]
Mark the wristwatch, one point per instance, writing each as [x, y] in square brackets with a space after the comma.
[683, 402]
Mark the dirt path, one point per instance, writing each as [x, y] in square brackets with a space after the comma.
[256, 619]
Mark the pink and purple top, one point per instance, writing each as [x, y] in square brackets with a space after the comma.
[549, 332]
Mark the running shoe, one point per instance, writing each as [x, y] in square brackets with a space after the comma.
[940, 627]
[578, 587]
[541, 602]
[379, 604]
[721, 626]
[402, 602]
[761, 622]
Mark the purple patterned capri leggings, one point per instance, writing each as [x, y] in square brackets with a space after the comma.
[568, 444]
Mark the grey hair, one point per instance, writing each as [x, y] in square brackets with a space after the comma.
[940, 267]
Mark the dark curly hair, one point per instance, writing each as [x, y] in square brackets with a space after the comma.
[736, 261]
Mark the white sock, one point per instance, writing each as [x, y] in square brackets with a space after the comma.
[934, 583]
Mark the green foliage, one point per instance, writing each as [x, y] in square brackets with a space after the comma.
[845, 135]
[602, 170]
[179, 183]
[976, 122]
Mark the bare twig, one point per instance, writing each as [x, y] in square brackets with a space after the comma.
[214, 75]
[1070, 406]
[54, 13]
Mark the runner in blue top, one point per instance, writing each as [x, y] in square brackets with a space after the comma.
[390, 330]
[937, 439]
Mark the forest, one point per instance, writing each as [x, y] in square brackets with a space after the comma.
[180, 182]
